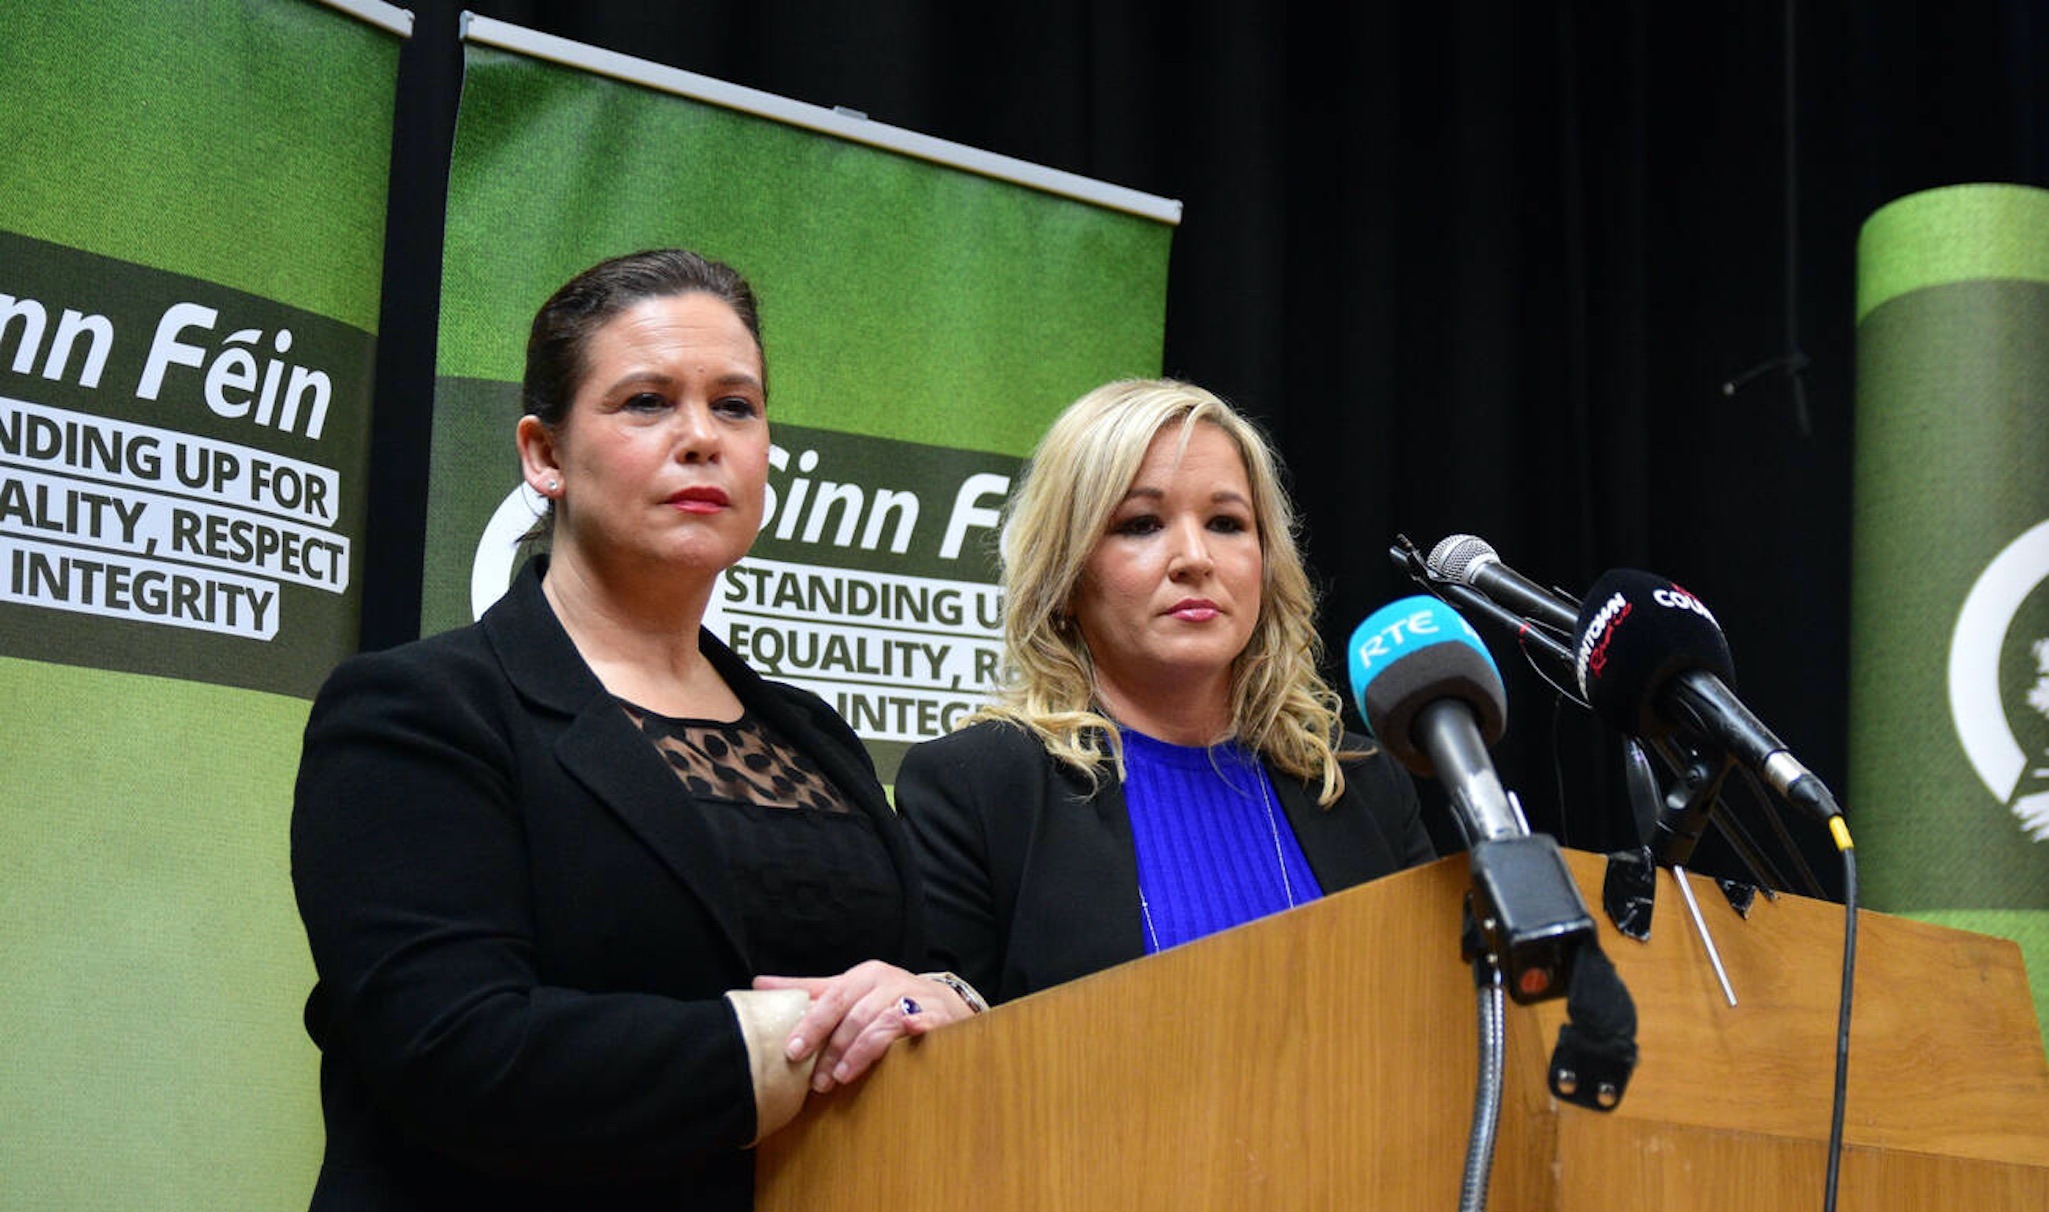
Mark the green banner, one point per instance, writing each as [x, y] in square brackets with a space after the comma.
[1949, 702]
[192, 202]
[926, 311]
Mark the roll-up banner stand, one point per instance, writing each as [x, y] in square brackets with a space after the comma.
[1949, 657]
[927, 309]
[191, 237]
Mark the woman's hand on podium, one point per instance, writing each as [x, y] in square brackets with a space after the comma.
[855, 1016]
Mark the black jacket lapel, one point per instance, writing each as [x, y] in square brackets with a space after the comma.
[601, 749]
[1343, 848]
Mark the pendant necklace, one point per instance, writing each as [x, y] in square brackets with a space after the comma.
[1273, 830]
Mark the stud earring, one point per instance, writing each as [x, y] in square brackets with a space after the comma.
[554, 485]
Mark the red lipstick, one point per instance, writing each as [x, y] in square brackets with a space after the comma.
[702, 498]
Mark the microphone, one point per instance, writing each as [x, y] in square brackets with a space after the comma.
[1545, 650]
[1469, 560]
[1651, 660]
[1431, 695]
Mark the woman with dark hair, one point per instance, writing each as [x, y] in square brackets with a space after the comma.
[1164, 761]
[593, 906]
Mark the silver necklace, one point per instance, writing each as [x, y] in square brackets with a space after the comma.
[1273, 830]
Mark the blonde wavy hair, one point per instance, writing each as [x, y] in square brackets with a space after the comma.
[1061, 508]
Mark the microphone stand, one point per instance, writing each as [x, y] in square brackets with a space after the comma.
[1528, 935]
[1701, 774]
[1683, 816]
[1680, 818]
[1493, 1034]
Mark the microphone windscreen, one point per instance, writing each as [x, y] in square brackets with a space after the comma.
[1414, 652]
[1636, 631]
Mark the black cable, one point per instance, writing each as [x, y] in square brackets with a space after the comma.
[1841, 833]
[1809, 881]
[1558, 765]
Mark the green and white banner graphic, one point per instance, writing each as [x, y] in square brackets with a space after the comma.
[192, 202]
[1949, 711]
[927, 309]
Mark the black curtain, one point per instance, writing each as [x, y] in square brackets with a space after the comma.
[1477, 267]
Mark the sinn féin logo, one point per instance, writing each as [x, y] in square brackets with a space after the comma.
[2005, 732]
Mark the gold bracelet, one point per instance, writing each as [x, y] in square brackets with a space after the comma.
[976, 1002]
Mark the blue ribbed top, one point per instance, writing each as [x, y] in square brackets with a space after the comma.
[1207, 826]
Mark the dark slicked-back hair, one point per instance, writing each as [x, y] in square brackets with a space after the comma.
[556, 358]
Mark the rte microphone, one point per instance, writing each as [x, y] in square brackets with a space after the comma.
[1651, 659]
[1468, 560]
[1431, 695]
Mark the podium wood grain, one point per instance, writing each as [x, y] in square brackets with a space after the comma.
[1325, 1058]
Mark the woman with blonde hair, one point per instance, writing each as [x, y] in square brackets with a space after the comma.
[1164, 760]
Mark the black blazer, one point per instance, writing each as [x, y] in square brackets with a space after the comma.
[1030, 880]
[522, 931]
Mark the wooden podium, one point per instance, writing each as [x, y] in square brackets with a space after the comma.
[1324, 1058]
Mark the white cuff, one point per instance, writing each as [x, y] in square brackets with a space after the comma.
[767, 1016]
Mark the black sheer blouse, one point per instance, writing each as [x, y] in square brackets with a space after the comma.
[814, 884]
